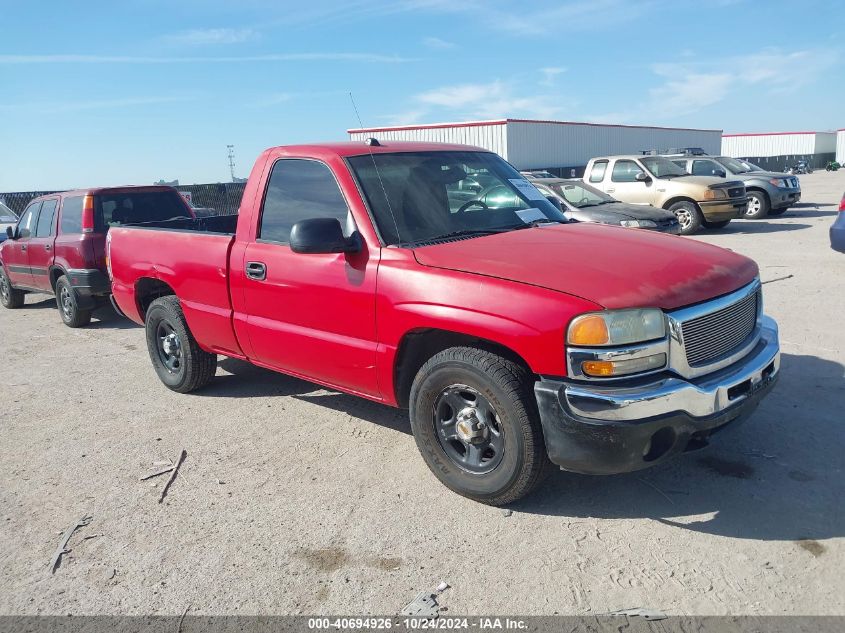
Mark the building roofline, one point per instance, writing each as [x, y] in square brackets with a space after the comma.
[428, 126]
[776, 133]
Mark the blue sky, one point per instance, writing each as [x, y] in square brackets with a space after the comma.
[98, 93]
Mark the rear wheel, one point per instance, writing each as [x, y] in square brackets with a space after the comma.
[476, 424]
[177, 358]
[758, 205]
[716, 225]
[689, 216]
[68, 303]
[10, 297]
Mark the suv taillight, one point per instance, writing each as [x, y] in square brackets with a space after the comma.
[88, 214]
[842, 204]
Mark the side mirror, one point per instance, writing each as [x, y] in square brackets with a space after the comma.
[10, 232]
[721, 173]
[556, 202]
[322, 235]
[642, 177]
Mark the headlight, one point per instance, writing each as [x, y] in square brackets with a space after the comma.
[616, 327]
[779, 182]
[716, 194]
[638, 224]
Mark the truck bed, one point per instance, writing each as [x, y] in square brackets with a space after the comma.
[188, 257]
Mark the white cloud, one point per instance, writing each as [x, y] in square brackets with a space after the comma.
[550, 75]
[124, 59]
[199, 37]
[438, 44]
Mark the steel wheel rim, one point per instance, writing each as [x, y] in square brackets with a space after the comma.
[66, 303]
[5, 291]
[468, 429]
[169, 347]
[753, 206]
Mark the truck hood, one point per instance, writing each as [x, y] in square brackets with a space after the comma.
[611, 266]
[616, 211]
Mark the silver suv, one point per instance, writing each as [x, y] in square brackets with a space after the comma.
[769, 193]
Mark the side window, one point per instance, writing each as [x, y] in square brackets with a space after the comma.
[45, 220]
[300, 190]
[625, 171]
[598, 170]
[26, 226]
[704, 167]
[71, 215]
[681, 163]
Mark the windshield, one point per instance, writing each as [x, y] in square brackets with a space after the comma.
[751, 166]
[6, 214]
[662, 168]
[423, 196]
[733, 165]
[580, 195]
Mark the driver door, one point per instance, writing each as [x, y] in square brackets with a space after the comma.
[16, 251]
[624, 185]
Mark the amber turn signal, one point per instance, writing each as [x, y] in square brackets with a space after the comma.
[587, 330]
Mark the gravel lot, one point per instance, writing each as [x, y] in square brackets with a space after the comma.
[294, 499]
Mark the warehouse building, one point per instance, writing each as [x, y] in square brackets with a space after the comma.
[840, 146]
[561, 147]
[776, 150]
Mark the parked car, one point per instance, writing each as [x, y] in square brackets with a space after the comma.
[769, 193]
[516, 339]
[8, 218]
[696, 200]
[837, 231]
[584, 203]
[539, 173]
[58, 244]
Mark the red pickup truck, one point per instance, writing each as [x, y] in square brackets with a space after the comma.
[58, 244]
[435, 277]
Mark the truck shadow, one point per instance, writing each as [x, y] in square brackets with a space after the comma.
[104, 317]
[749, 227]
[244, 380]
[777, 477]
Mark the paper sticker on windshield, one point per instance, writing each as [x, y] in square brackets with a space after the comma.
[531, 215]
[527, 189]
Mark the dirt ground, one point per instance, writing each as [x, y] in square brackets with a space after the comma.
[294, 499]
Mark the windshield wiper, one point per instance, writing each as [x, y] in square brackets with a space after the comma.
[491, 231]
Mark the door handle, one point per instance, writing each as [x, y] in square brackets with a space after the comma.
[610, 190]
[47, 247]
[23, 247]
[256, 270]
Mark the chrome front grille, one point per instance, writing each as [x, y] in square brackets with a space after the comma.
[716, 334]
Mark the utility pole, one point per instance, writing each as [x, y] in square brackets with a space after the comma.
[231, 149]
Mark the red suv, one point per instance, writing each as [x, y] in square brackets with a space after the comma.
[58, 244]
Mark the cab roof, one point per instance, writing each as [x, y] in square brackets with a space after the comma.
[103, 190]
[359, 148]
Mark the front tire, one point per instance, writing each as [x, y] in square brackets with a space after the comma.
[177, 358]
[780, 211]
[758, 206]
[689, 216]
[10, 297]
[476, 424]
[68, 304]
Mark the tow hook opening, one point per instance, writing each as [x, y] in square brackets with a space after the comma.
[660, 443]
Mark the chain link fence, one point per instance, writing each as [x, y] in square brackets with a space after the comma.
[222, 198]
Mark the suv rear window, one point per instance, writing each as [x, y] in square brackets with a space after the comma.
[137, 207]
[71, 215]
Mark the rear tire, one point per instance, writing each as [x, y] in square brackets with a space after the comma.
[716, 225]
[689, 216]
[467, 389]
[10, 297]
[68, 303]
[758, 206]
[780, 211]
[177, 358]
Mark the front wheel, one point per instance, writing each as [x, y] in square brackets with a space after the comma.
[68, 303]
[716, 225]
[476, 424]
[689, 216]
[10, 297]
[179, 362]
[758, 206]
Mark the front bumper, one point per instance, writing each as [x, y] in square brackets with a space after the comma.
[628, 425]
[718, 210]
[781, 197]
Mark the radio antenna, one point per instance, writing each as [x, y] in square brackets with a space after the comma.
[367, 142]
